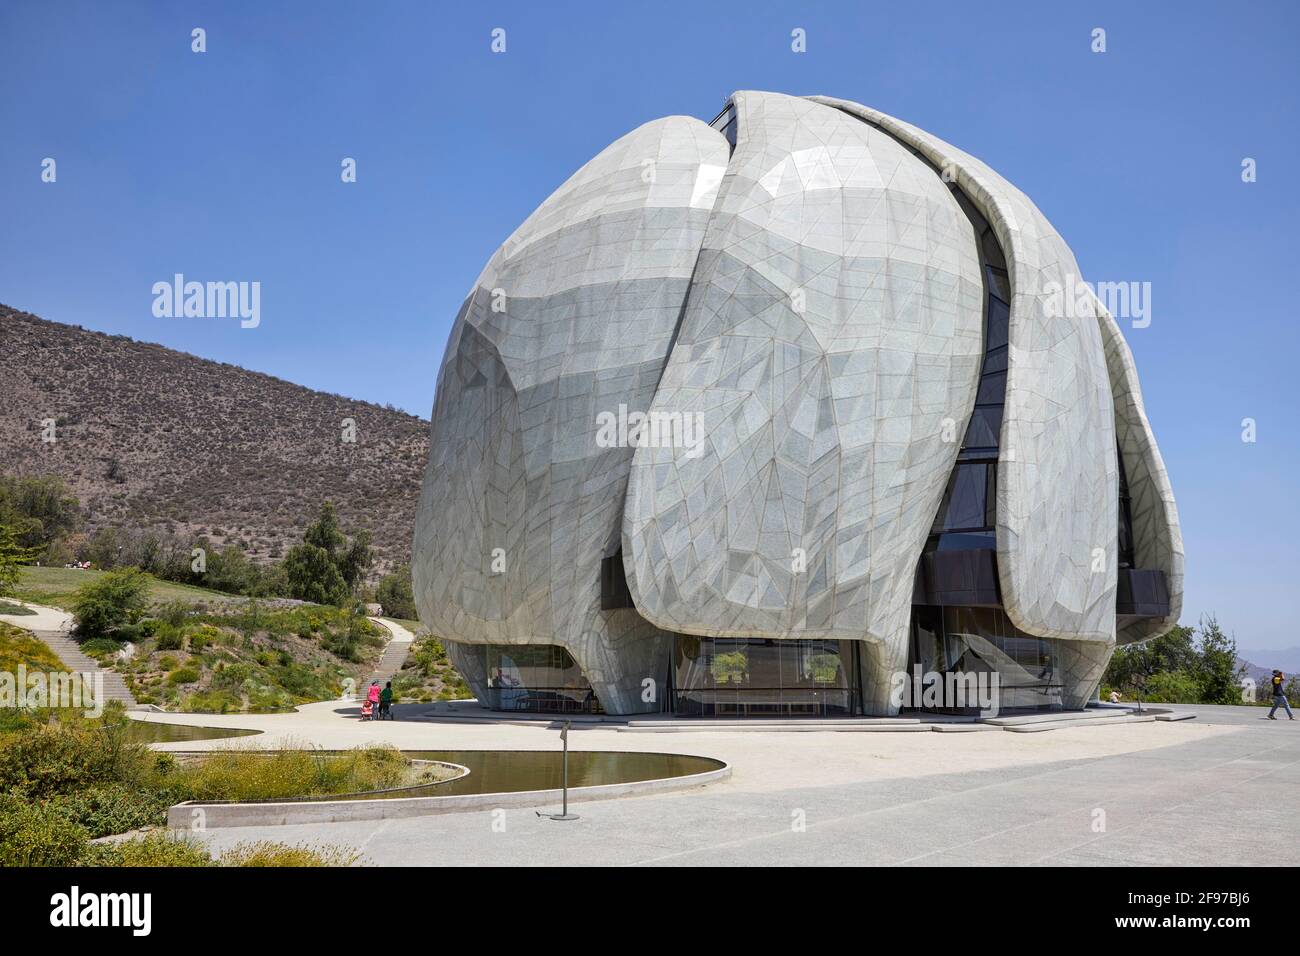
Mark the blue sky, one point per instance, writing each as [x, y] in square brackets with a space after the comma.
[225, 165]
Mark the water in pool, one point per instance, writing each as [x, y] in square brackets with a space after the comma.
[510, 771]
[149, 732]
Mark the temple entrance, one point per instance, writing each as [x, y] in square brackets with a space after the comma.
[749, 677]
[968, 659]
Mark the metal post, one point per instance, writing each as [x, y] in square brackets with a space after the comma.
[565, 814]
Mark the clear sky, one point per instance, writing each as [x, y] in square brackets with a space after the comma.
[225, 165]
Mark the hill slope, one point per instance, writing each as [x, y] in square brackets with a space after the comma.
[151, 437]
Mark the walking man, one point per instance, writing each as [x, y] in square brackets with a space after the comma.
[1279, 697]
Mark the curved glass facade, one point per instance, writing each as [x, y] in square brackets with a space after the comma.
[983, 641]
[539, 678]
[978, 638]
[739, 677]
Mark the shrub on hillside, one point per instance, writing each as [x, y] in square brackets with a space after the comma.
[32, 834]
[113, 602]
[428, 664]
[152, 849]
[64, 757]
[101, 648]
[169, 638]
[116, 808]
[184, 675]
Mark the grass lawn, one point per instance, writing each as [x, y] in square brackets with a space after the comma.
[58, 586]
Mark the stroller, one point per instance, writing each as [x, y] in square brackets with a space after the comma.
[367, 709]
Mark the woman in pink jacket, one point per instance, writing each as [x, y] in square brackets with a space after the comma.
[372, 698]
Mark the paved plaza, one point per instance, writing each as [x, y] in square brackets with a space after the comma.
[1216, 790]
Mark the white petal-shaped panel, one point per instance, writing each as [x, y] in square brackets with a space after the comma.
[829, 352]
[1058, 491]
[1157, 537]
[570, 319]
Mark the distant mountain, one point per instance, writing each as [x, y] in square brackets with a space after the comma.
[151, 437]
[1287, 661]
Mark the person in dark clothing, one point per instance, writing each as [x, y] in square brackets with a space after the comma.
[1279, 697]
[386, 701]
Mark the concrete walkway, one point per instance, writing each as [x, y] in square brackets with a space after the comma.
[1216, 790]
[54, 627]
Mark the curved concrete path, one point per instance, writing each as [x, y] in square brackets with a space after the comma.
[1202, 792]
[54, 627]
[1209, 791]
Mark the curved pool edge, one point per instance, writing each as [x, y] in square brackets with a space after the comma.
[198, 815]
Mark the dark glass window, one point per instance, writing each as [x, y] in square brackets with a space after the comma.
[614, 592]
[999, 283]
[717, 676]
[989, 242]
[985, 428]
[995, 360]
[542, 678]
[968, 503]
[1125, 543]
[725, 123]
[998, 324]
[983, 641]
[993, 388]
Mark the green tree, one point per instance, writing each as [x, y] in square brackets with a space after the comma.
[229, 570]
[40, 510]
[273, 582]
[1132, 667]
[394, 594]
[111, 604]
[1172, 687]
[12, 557]
[104, 548]
[312, 576]
[326, 567]
[1218, 673]
[352, 559]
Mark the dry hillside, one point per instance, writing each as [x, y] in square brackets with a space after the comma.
[150, 437]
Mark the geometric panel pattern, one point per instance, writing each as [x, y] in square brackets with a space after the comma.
[1157, 536]
[832, 330]
[571, 318]
[1057, 507]
[810, 310]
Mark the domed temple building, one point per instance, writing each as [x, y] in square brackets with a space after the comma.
[778, 415]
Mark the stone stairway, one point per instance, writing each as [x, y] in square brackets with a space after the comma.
[67, 650]
[52, 626]
[395, 654]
